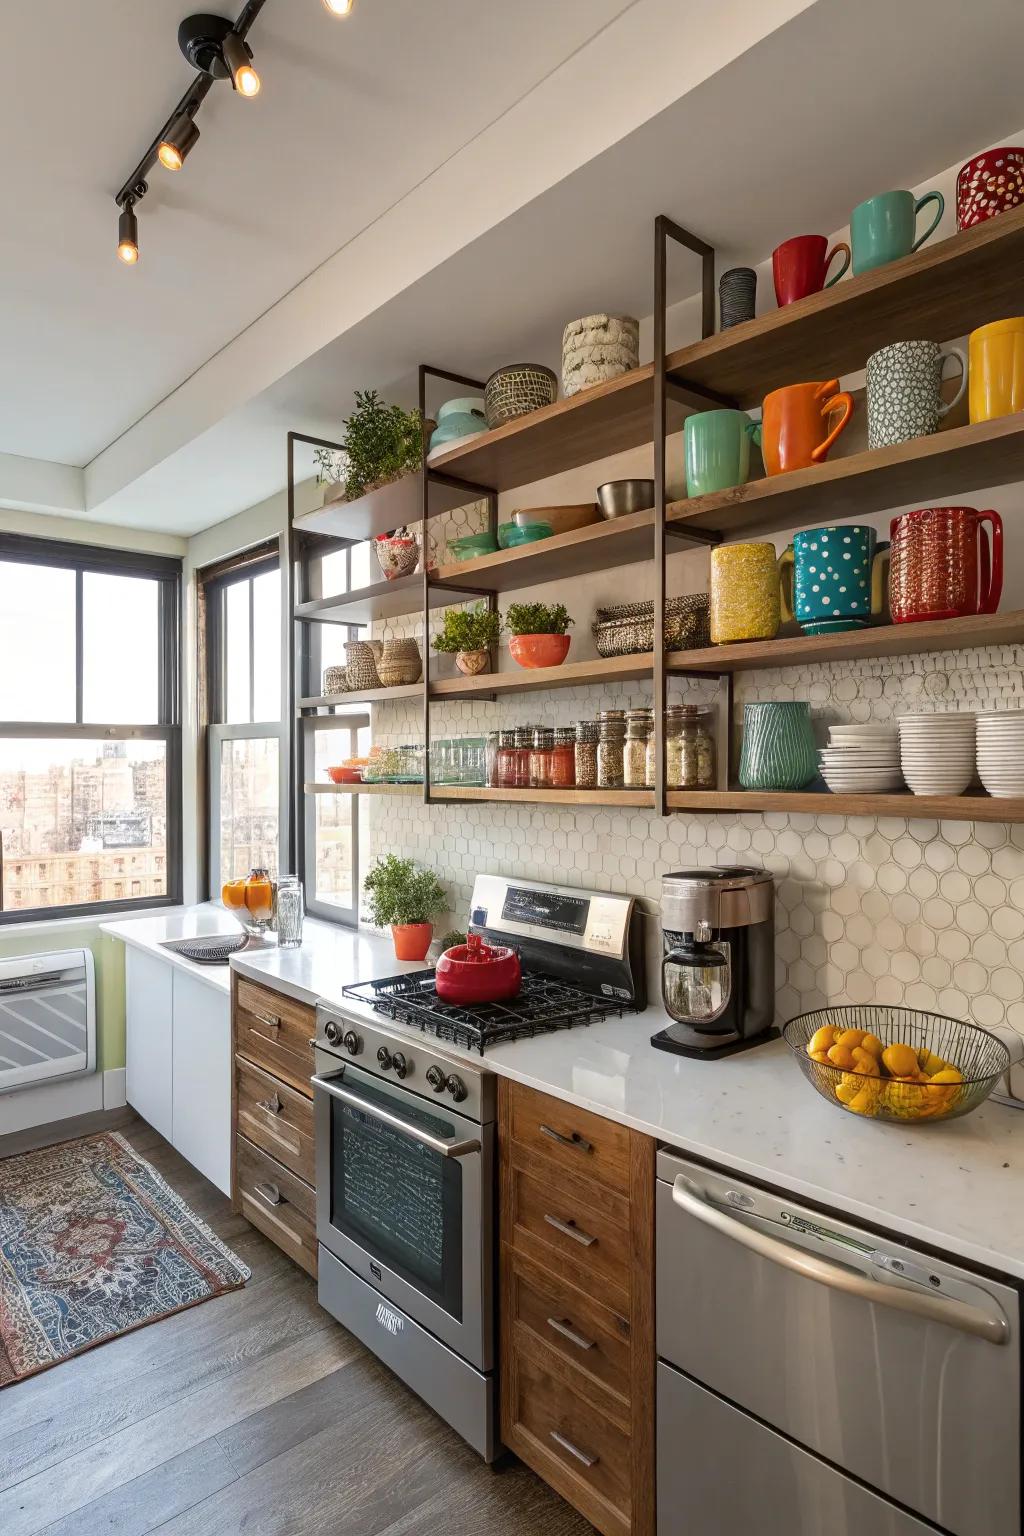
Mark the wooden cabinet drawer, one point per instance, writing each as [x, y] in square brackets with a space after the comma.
[580, 1142]
[561, 1226]
[275, 1201]
[582, 1454]
[276, 1118]
[274, 1031]
[546, 1315]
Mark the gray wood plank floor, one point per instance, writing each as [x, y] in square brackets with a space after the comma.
[254, 1413]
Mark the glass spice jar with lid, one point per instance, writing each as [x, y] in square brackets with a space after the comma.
[506, 765]
[491, 759]
[588, 734]
[540, 757]
[563, 758]
[610, 747]
[689, 748]
[634, 757]
[523, 745]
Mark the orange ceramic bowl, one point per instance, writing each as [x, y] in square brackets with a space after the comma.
[539, 650]
[345, 775]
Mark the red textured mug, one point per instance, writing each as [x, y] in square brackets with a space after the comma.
[940, 564]
[799, 267]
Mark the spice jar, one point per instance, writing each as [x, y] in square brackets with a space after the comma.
[523, 744]
[491, 778]
[610, 749]
[506, 760]
[634, 760]
[563, 759]
[540, 757]
[588, 733]
[689, 748]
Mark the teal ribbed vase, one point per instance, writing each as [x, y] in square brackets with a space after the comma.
[778, 746]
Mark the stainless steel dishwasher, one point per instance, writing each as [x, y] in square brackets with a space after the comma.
[814, 1378]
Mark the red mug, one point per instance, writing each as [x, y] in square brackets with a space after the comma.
[940, 566]
[799, 267]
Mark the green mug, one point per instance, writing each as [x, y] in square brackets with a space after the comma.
[883, 229]
[717, 450]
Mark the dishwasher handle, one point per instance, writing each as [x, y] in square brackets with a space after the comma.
[993, 1328]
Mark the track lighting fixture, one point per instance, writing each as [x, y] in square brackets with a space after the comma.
[237, 56]
[339, 7]
[177, 142]
[128, 234]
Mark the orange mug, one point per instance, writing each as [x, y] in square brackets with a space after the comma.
[794, 431]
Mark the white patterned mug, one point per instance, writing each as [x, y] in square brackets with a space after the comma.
[904, 385]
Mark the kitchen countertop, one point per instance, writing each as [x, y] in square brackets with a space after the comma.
[955, 1187]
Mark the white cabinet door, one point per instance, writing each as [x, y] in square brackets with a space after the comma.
[202, 1077]
[148, 1003]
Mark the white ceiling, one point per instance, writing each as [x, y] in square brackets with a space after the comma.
[353, 114]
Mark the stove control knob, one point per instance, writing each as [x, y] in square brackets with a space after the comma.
[352, 1042]
[401, 1066]
[384, 1057]
[333, 1032]
[457, 1088]
[436, 1079]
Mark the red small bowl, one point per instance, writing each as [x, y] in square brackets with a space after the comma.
[539, 650]
[476, 972]
[345, 775]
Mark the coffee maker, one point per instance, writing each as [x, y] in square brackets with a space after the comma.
[718, 969]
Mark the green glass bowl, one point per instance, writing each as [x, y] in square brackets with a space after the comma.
[510, 536]
[471, 545]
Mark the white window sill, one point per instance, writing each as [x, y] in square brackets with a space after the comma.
[56, 925]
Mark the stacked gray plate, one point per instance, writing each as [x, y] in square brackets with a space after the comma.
[937, 752]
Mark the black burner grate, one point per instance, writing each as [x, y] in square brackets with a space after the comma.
[543, 1005]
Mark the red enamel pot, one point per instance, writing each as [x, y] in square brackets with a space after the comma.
[476, 972]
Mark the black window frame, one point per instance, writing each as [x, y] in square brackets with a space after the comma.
[166, 570]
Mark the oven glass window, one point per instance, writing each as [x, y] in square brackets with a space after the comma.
[398, 1199]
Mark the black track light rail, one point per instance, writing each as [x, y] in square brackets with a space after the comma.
[136, 185]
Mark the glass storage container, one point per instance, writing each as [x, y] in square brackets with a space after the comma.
[634, 759]
[588, 733]
[540, 757]
[610, 749]
[290, 911]
[563, 758]
[507, 760]
[491, 759]
[689, 748]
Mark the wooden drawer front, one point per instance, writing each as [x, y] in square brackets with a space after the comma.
[275, 1201]
[554, 1223]
[276, 1118]
[549, 1316]
[583, 1144]
[580, 1452]
[274, 1031]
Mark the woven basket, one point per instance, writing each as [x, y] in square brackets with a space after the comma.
[335, 680]
[628, 629]
[400, 663]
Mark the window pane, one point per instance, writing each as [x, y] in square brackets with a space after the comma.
[333, 819]
[334, 573]
[250, 808]
[82, 822]
[238, 706]
[121, 649]
[37, 643]
[266, 613]
[365, 570]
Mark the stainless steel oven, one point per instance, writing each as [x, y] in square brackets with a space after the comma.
[405, 1151]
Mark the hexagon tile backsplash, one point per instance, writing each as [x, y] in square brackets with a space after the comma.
[897, 910]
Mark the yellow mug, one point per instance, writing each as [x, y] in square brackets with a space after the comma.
[996, 386]
[745, 603]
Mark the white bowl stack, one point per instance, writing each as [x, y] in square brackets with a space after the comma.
[937, 752]
[1000, 747]
[861, 760]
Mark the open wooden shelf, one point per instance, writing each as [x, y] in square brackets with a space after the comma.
[972, 807]
[364, 789]
[380, 511]
[363, 696]
[571, 674]
[941, 291]
[639, 798]
[384, 600]
[617, 541]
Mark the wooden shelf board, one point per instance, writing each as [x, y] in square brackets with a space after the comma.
[363, 789]
[944, 466]
[380, 511]
[364, 696]
[526, 679]
[384, 600]
[642, 798]
[619, 541]
[973, 807]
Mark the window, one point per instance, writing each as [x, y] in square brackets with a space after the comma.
[247, 737]
[90, 739]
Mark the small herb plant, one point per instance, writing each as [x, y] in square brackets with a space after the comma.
[399, 892]
[330, 466]
[382, 443]
[451, 938]
[468, 629]
[537, 619]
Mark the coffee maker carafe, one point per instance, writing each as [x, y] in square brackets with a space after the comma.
[718, 970]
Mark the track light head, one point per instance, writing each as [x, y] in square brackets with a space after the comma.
[178, 142]
[211, 45]
[339, 7]
[128, 234]
[237, 55]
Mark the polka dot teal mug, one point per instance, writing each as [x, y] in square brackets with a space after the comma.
[833, 579]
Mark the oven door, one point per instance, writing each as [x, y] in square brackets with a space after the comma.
[404, 1198]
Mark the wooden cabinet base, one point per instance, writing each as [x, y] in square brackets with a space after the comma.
[279, 1204]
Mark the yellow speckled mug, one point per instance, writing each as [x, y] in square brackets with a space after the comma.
[744, 593]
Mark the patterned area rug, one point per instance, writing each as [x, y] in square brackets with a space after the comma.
[94, 1243]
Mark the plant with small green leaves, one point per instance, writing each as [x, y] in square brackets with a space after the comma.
[537, 619]
[399, 892]
[451, 938]
[382, 442]
[468, 629]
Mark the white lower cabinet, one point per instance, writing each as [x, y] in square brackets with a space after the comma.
[179, 1061]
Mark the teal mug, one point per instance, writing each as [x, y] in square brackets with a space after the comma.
[717, 449]
[884, 228]
[838, 578]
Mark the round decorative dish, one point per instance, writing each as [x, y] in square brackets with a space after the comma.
[343, 775]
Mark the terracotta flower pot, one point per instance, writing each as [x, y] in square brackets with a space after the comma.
[539, 650]
[412, 940]
[472, 663]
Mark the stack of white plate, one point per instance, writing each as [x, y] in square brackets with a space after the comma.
[861, 760]
[937, 752]
[1000, 743]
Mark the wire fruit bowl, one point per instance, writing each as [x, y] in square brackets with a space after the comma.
[980, 1057]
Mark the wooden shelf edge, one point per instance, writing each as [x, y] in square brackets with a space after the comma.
[639, 798]
[363, 696]
[363, 789]
[970, 807]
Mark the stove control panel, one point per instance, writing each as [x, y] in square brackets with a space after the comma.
[556, 915]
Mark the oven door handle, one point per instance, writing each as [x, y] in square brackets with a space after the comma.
[933, 1309]
[332, 1086]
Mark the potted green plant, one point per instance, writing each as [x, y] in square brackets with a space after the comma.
[381, 443]
[538, 633]
[404, 898]
[470, 634]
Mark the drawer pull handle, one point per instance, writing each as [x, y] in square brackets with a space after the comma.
[269, 1194]
[575, 1140]
[574, 1450]
[562, 1327]
[272, 1106]
[570, 1229]
[271, 1020]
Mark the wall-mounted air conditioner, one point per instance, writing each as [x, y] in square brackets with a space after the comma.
[47, 1018]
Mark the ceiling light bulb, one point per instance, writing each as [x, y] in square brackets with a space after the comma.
[128, 236]
[237, 55]
[339, 7]
[247, 81]
[177, 143]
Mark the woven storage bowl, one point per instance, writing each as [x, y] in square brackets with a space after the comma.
[628, 629]
[335, 680]
[399, 663]
[516, 390]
